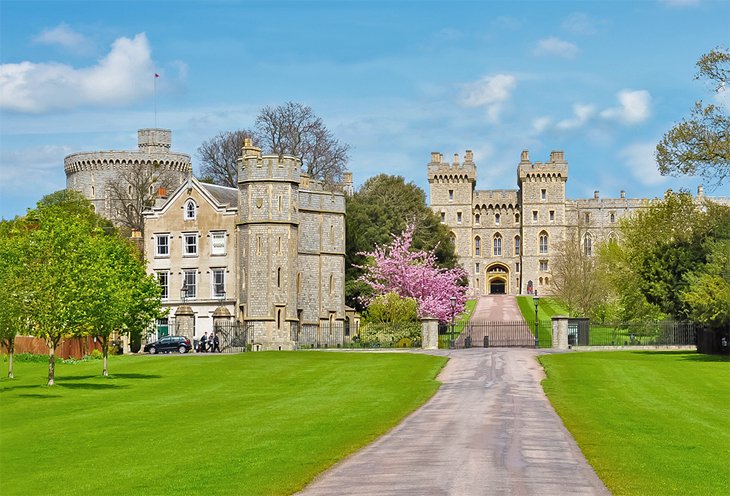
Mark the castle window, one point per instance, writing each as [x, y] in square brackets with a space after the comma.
[541, 281]
[543, 265]
[451, 195]
[278, 277]
[588, 245]
[332, 283]
[162, 245]
[218, 243]
[613, 217]
[477, 246]
[218, 279]
[92, 192]
[543, 194]
[587, 217]
[299, 282]
[332, 234]
[496, 219]
[534, 216]
[547, 281]
[278, 245]
[612, 238]
[190, 244]
[552, 216]
[543, 243]
[278, 318]
[517, 267]
[517, 218]
[190, 283]
[443, 217]
[163, 278]
[190, 210]
[476, 267]
[517, 245]
[452, 238]
[129, 190]
[477, 219]
[258, 245]
[458, 217]
[281, 203]
[497, 245]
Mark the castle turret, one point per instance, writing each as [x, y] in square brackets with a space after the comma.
[268, 232]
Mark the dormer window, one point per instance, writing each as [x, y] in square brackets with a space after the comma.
[190, 210]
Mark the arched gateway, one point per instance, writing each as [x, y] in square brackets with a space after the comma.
[497, 279]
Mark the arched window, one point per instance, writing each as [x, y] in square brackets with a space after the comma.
[497, 245]
[543, 243]
[517, 218]
[452, 238]
[497, 218]
[588, 245]
[477, 219]
[517, 245]
[612, 238]
[478, 246]
[190, 210]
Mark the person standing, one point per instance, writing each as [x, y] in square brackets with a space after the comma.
[216, 343]
[203, 343]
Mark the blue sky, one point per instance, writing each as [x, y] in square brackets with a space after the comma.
[396, 80]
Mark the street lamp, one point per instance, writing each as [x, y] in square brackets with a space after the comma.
[184, 293]
[536, 299]
[453, 309]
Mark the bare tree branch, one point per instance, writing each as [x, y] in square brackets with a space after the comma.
[218, 156]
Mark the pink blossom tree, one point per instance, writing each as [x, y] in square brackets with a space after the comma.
[415, 274]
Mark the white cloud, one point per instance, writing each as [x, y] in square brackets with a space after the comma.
[44, 164]
[121, 77]
[582, 113]
[580, 23]
[64, 36]
[489, 92]
[639, 157]
[634, 107]
[540, 124]
[556, 47]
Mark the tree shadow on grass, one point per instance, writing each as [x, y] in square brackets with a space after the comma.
[87, 385]
[111, 376]
[40, 396]
[135, 376]
[688, 355]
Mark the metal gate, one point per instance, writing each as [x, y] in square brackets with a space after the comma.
[500, 334]
[232, 336]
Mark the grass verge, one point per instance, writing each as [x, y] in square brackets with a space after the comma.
[648, 422]
[256, 423]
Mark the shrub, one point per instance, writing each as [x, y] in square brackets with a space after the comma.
[389, 334]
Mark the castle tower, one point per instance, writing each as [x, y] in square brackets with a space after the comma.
[542, 187]
[108, 178]
[267, 245]
[451, 188]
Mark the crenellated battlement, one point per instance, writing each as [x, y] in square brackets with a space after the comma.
[452, 172]
[253, 166]
[555, 169]
[120, 160]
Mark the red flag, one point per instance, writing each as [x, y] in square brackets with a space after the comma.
[157, 75]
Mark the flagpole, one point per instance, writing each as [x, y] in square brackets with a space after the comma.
[154, 79]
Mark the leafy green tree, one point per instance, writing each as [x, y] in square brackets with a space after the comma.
[379, 210]
[700, 145]
[665, 248]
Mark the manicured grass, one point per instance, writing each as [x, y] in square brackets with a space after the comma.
[648, 422]
[255, 423]
[546, 308]
[459, 323]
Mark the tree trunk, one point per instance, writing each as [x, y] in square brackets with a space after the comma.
[51, 362]
[11, 354]
[105, 353]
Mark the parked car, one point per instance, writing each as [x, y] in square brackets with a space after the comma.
[167, 344]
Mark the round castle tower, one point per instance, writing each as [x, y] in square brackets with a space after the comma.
[92, 173]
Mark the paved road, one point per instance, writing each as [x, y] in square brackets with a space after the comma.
[488, 431]
[497, 308]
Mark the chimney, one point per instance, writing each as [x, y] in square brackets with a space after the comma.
[469, 156]
[623, 194]
[161, 193]
[456, 159]
[596, 195]
[557, 156]
[249, 149]
[525, 156]
[435, 157]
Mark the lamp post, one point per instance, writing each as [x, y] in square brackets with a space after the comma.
[184, 293]
[453, 309]
[536, 299]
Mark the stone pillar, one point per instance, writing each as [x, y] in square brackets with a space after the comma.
[560, 332]
[429, 333]
[221, 316]
[185, 323]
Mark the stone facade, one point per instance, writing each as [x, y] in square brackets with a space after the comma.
[275, 243]
[505, 239]
[92, 173]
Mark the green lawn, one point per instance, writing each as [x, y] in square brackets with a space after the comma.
[256, 423]
[459, 323]
[547, 308]
[649, 422]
